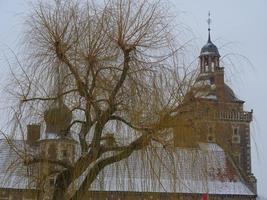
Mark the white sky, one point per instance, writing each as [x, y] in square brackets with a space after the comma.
[239, 26]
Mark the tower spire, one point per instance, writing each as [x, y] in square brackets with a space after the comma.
[209, 23]
[209, 55]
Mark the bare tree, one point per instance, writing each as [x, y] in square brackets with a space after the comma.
[115, 66]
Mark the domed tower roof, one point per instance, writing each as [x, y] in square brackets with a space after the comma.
[58, 118]
[209, 49]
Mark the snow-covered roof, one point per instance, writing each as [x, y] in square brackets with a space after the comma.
[177, 170]
[54, 136]
[154, 169]
[13, 174]
[206, 89]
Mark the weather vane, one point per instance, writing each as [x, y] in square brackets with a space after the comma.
[209, 20]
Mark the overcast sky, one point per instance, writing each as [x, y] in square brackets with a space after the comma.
[238, 26]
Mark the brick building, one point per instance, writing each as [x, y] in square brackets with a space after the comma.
[211, 147]
[210, 156]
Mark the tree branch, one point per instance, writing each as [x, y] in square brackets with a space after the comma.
[46, 160]
[48, 98]
[114, 117]
[139, 143]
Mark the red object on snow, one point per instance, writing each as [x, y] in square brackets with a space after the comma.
[204, 197]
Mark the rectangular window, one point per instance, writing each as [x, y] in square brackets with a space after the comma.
[236, 135]
[237, 159]
[51, 182]
[210, 130]
[210, 135]
[64, 153]
[236, 131]
[236, 139]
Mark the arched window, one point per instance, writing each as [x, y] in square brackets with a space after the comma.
[212, 66]
[206, 68]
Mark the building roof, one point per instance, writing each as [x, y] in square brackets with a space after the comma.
[13, 174]
[209, 48]
[176, 170]
[205, 89]
[154, 169]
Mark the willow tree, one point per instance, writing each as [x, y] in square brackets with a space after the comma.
[115, 65]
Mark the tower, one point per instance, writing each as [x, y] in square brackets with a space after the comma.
[57, 145]
[212, 113]
[210, 69]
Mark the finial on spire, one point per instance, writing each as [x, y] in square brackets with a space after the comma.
[209, 23]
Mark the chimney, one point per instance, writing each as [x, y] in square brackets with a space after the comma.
[33, 133]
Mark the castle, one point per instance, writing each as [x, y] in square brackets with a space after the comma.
[210, 156]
